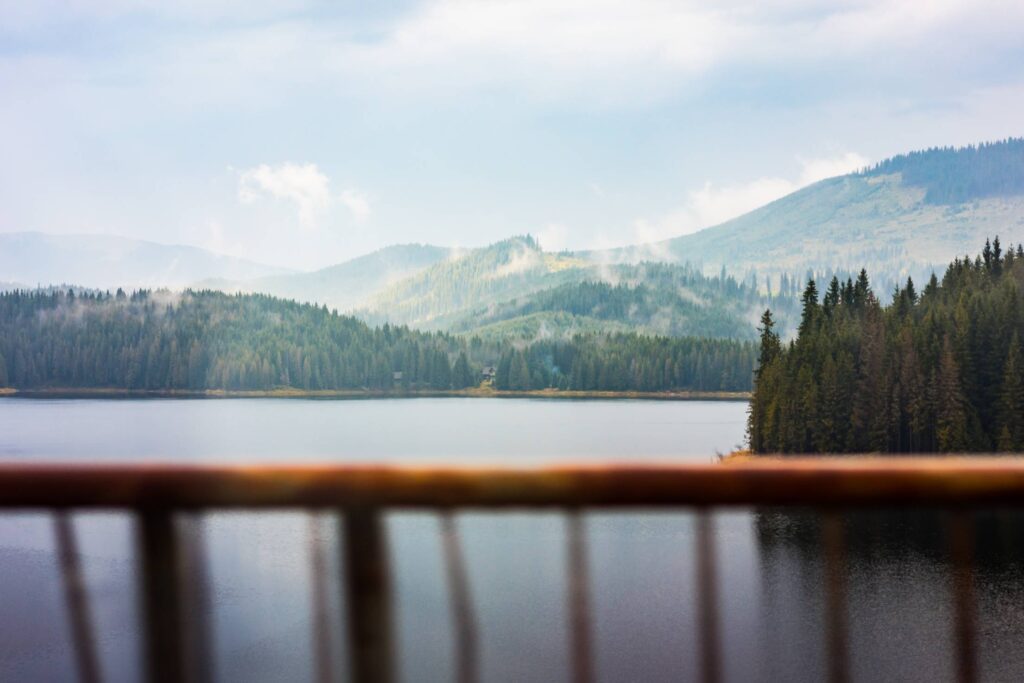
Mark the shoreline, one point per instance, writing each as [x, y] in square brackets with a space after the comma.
[476, 392]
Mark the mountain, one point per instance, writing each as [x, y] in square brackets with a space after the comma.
[473, 278]
[651, 298]
[105, 261]
[907, 215]
[514, 289]
[347, 285]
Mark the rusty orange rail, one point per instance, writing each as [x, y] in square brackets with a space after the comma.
[782, 482]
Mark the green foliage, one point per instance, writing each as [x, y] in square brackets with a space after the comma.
[939, 371]
[654, 298]
[210, 340]
[629, 362]
[514, 289]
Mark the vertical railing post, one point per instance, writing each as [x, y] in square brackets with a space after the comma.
[319, 599]
[368, 595]
[194, 584]
[707, 599]
[161, 598]
[466, 646]
[961, 540]
[77, 600]
[579, 600]
[835, 596]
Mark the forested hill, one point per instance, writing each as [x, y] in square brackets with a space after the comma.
[515, 290]
[940, 370]
[195, 341]
[904, 217]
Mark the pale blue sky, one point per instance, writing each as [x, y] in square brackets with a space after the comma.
[304, 133]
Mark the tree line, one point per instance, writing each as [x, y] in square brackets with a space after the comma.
[953, 175]
[201, 340]
[940, 370]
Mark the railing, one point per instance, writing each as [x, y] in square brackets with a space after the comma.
[175, 639]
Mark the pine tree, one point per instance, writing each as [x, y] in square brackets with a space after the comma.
[861, 290]
[832, 296]
[809, 303]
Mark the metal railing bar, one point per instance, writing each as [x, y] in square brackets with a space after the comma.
[821, 483]
[159, 555]
[77, 599]
[581, 648]
[467, 654]
[320, 601]
[961, 539]
[368, 595]
[707, 600]
[834, 546]
[194, 584]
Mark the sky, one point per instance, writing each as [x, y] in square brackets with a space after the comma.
[301, 133]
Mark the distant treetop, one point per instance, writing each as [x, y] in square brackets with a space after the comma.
[952, 175]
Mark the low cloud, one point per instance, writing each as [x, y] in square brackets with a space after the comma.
[357, 203]
[554, 237]
[711, 204]
[304, 185]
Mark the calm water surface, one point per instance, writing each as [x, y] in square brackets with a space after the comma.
[642, 572]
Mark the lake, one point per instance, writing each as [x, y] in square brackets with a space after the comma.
[642, 570]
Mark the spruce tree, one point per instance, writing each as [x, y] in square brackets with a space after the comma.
[809, 308]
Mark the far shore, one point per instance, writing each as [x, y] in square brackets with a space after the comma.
[475, 392]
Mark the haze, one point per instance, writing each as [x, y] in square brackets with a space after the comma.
[301, 134]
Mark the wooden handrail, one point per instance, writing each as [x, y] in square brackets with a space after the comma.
[837, 482]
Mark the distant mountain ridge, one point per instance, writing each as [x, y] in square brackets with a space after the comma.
[106, 262]
[513, 288]
[908, 215]
[905, 216]
[347, 285]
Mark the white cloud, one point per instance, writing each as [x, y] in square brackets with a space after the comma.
[554, 237]
[357, 203]
[622, 52]
[711, 205]
[628, 51]
[302, 184]
[830, 167]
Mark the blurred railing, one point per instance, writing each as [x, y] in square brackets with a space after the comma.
[166, 497]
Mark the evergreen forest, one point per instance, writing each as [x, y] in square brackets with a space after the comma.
[935, 370]
[207, 340]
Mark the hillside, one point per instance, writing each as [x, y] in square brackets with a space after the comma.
[514, 289]
[347, 285]
[502, 271]
[652, 298]
[105, 261]
[906, 216]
